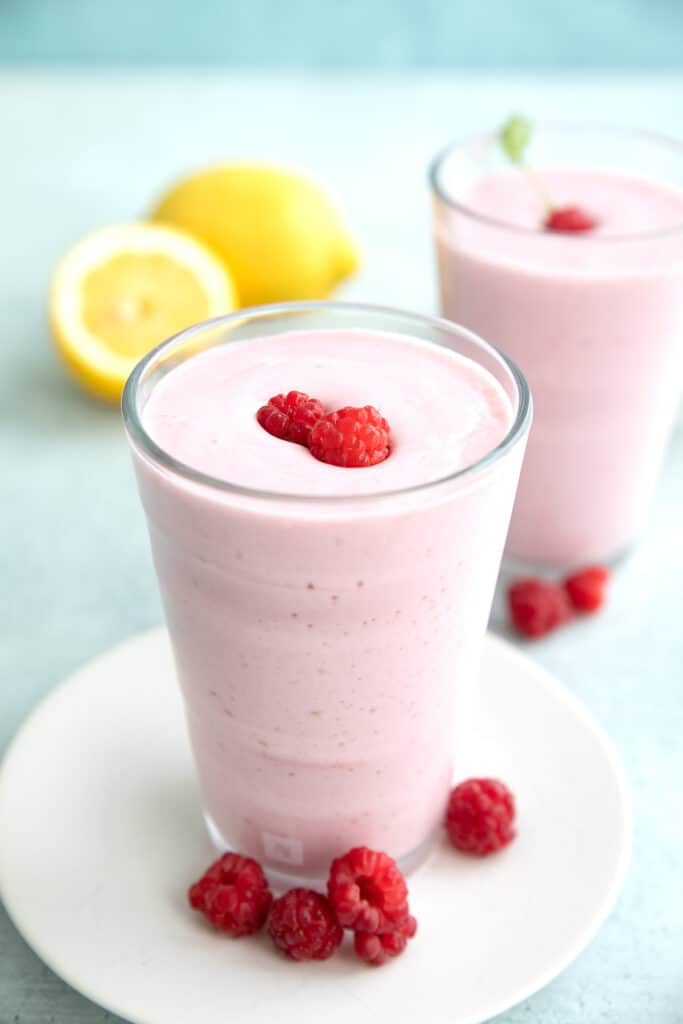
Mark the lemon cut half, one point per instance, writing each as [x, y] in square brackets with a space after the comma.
[122, 290]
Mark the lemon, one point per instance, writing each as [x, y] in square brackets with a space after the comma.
[279, 233]
[122, 290]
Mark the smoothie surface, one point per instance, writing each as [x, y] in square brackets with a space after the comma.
[445, 411]
[622, 204]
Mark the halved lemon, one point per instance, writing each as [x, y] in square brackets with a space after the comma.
[122, 290]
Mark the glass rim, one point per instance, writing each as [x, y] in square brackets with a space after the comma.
[645, 135]
[158, 455]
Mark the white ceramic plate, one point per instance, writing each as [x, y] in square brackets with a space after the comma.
[101, 833]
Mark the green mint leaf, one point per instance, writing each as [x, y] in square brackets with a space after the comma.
[515, 136]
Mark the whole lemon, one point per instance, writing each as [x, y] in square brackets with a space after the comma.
[279, 234]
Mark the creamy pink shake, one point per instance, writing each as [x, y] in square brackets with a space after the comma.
[594, 320]
[326, 622]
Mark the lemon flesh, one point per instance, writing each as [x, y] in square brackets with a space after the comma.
[121, 291]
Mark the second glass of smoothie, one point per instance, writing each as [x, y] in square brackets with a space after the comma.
[594, 319]
[326, 622]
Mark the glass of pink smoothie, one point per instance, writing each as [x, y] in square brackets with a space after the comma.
[326, 622]
[595, 320]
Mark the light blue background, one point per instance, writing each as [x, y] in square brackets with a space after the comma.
[346, 33]
[83, 149]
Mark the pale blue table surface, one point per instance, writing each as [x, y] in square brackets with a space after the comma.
[78, 151]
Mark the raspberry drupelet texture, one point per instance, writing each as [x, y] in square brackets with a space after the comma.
[587, 589]
[368, 891]
[291, 416]
[304, 926]
[570, 220]
[351, 437]
[377, 949]
[480, 816]
[537, 607]
[233, 895]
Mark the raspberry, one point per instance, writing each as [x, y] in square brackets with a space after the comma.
[537, 607]
[570, 220]
[233, 895]
[480, 816]
[377, 949]
[291, 416]
[351, 437]
[587, 589]
[367, 891]
[303, 925]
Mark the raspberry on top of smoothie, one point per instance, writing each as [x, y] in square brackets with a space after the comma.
[352, 437]
[291, 416]
[570, 220]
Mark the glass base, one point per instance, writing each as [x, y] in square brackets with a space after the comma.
[514, 567]
[280, 879]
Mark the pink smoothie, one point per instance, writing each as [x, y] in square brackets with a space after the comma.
[595, 321]
[325, 644]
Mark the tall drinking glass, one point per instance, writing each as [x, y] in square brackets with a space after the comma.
[326, 646]
[594, 319]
